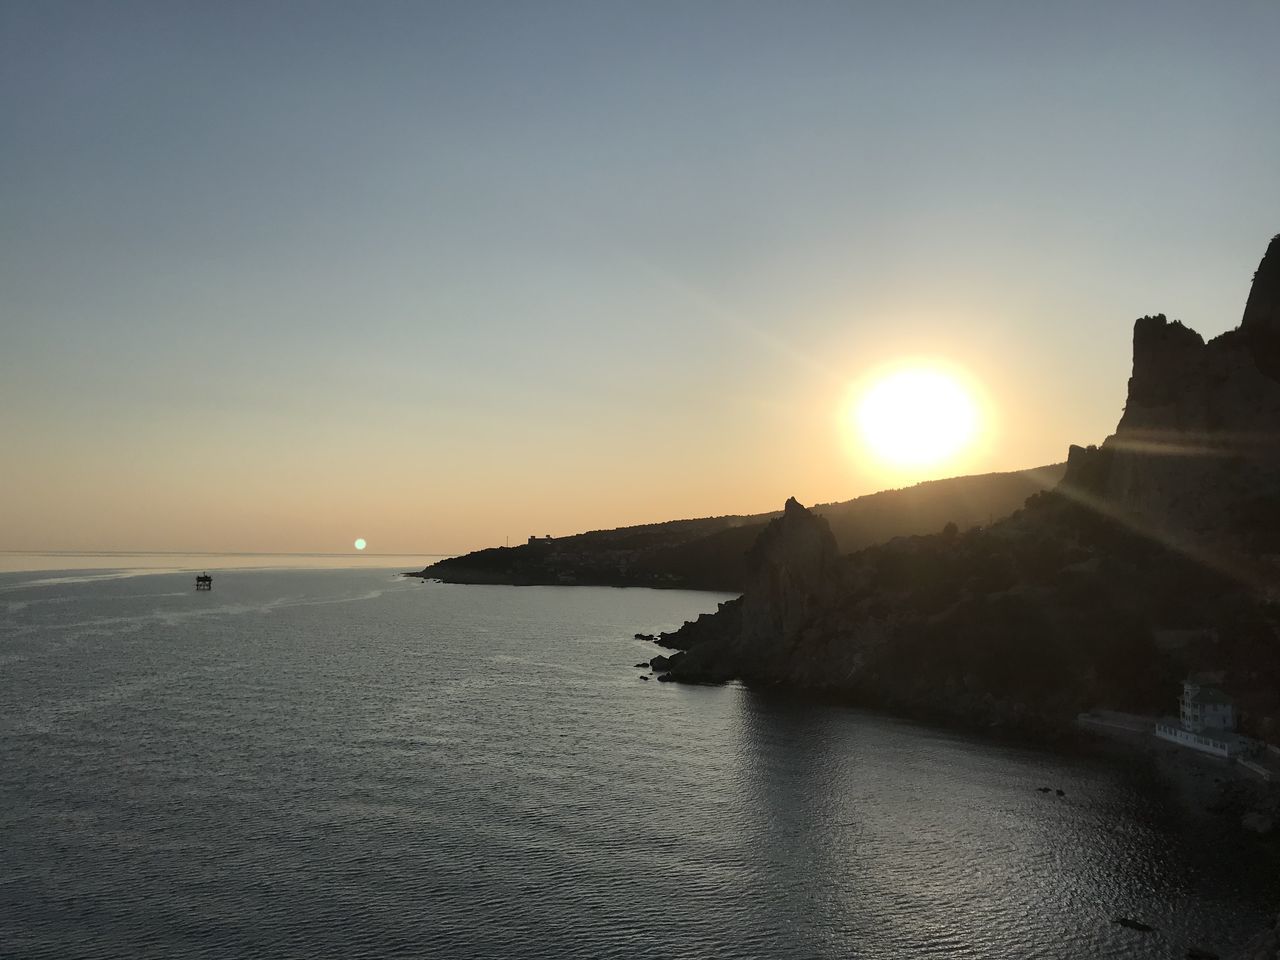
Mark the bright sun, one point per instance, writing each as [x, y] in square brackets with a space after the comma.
[916, 417]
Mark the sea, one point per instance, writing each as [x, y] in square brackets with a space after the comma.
[339, 762]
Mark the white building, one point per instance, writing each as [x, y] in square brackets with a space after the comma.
[1206, 708]
[1207, 721]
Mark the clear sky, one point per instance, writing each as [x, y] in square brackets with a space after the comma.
[277, 275]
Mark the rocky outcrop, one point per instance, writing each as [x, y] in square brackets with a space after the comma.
[1261, 322]
[792, 572]
[792, 568]
[1196, 454]
[1026, 623]
[1056, 608]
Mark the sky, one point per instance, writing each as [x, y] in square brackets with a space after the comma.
[274, 276]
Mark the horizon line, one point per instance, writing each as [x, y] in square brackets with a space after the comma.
[213, 553]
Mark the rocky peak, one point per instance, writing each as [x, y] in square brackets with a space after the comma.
[1165, 354]
[1262, 310]
[793, 566]
[1197, 445]
[1261, 322]
[799, 541]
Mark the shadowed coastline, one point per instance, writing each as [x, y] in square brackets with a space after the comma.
[1156, 557]
[712, 553]
[1142, 565]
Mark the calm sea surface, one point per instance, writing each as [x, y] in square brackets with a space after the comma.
[340, 763]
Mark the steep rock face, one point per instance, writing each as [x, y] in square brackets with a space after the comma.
[1056, 608]
[1029, 621]
[1261, 323]
[1197, 451]
[793, 569]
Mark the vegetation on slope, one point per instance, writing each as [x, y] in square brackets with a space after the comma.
[710, 553]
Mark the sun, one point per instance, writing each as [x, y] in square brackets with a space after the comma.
[916, 417]
[359, 544]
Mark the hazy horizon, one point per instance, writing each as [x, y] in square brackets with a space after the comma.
[279, 277]
[71, 566]
[364, 553]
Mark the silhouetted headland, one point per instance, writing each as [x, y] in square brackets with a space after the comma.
[1153, 558]
[711, 553]
[1156, 557]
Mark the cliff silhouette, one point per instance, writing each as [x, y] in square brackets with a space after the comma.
[713, 553]
[1196, 455]
[1155, 556]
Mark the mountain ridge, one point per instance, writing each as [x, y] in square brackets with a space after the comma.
[1148, 561]
[710, 553]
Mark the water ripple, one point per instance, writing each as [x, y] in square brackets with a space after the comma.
[332, 765]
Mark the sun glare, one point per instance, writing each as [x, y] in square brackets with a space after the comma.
[916, 417]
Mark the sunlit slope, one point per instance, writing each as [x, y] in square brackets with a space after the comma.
[709, 553]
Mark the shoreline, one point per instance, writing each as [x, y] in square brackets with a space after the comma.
[1205, 786]
[1213, 785]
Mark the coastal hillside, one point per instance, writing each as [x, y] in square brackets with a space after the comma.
[1153, 558]
[711, 553]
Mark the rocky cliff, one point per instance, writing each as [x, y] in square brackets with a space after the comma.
[1196, 455]
[1069, 603]
[1030, 621]
[793, 573]
[1261, 322]
[712, 553]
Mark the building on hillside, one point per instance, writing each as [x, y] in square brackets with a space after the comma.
[1206, 708]
[1206, 722]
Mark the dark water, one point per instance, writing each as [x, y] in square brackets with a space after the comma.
[342, 764]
